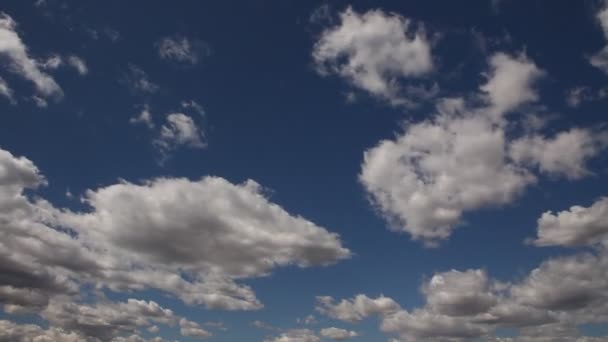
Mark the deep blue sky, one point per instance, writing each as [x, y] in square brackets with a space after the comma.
[271, 117]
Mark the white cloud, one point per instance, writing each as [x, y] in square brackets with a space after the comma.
[574, 227]
[179, 130]
[296, 335]
[192, 329]
[6, 91]
[467, 157]
[181, 49]
[357, 309]
[338, 334]
[565, 154]
[144, 118]
[600, 59]
[19, 61]
[190, 239]
[79, 64]
[374, 51]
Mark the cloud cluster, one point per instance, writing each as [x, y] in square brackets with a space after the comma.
[190, 239]
[374, 51]
[468, 156]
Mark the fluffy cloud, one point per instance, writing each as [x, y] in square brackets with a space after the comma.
[180, 129]
[78, 64]
[600, 59]
[296, 335]
[574, 227]
[6, 91]
[547, 305]
[21, 63]
[358, 308]
[567, 153]
[191, 239]
[181, 49]
[465, 157]
[144, 118]
[338, 334]
[374, 51]
[192, 329]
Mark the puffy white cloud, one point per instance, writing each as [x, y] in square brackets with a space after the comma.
[192, 329]
[467, 157]
[600, 59]
[510, 83]
[191, 239]
[181, 49]
[574, 227]
[296, 335]
[564, 154]
[13, 332]
[457, 293]
[180, 129]
[374, 51]
[20, 62]
[360, 307]
[338, 334]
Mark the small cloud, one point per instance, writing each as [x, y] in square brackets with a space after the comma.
[182, 50]
[137, 80]
[144, 118]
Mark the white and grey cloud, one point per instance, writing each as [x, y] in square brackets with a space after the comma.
[374, 51]
[182, 50]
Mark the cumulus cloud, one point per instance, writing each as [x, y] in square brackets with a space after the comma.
[192, 329]
[374, 51]
[191, 239]
[296, 335]
[567, 153]
[465, 157]
[21, 63]
[179, 130]
[600, 59]
[357, 309]
[338, 334]
[181, 49]
[549, 304]
[577, 226]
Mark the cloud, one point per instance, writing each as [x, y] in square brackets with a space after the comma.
[6, 91]
[577, 226]
[373, 51]
[338, 334]
[192, 329]
[600, 59]
[144, 118]
[79, 64]
[181, 50]
[566, 154]
[137, 80]
[20, 62]
[190, 239]
[296, 335]
[467, 157]
[357, 309]
[179, 130]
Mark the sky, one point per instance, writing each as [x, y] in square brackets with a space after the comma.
[303, 171]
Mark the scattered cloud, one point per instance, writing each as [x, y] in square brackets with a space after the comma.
[373, 51]
[21, 63]
[467, 157]
[182, 50]
[600, 59]
[78, 63]
[137, 80]
[144, 118]
[338, 334]
[296, 335]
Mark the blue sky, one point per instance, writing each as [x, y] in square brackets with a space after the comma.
[283, 171]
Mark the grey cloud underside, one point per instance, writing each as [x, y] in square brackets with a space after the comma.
[191, 239]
